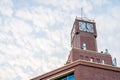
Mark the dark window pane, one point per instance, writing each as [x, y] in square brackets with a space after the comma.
[67, 77]
[71, 77]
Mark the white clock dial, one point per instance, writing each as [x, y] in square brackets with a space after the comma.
[90, 27]
[82, 26]
[86, 27]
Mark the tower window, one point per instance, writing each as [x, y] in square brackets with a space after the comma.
[92, 59]
[81, 57]
[103, 61]
[84, 47]
[98, 60]
[87, 58]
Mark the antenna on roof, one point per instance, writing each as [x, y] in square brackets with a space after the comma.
[114, 62]
[81, 12]
[106, 51]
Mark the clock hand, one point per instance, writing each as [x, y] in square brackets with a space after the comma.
[87, 29]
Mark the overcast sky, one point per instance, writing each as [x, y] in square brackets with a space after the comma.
[35, 34]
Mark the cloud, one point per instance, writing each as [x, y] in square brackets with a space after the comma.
[24, 14]
[20, 44]
[99, 2]
[6, 7]
[20, 27]
[32, 35]
[107, 27]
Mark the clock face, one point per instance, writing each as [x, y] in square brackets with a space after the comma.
[82, 26]
[90, 27]
[87, 27]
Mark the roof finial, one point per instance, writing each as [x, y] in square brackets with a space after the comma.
[81, 12]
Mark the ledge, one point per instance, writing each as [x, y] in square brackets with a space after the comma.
[71, 66]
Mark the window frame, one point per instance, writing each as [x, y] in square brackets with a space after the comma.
[62, 74]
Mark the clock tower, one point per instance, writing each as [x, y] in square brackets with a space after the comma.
[84, 44]
[83, 34]
[84, 61]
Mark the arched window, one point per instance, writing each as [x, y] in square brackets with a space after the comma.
[92, 59]
[87, 58]
[81, 57]
[103, 61]
[98, 60]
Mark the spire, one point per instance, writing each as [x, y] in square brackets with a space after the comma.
[81, 12]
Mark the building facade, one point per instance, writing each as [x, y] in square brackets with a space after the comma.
[84, 61]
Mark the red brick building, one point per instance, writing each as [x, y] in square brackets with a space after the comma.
[84, 61]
